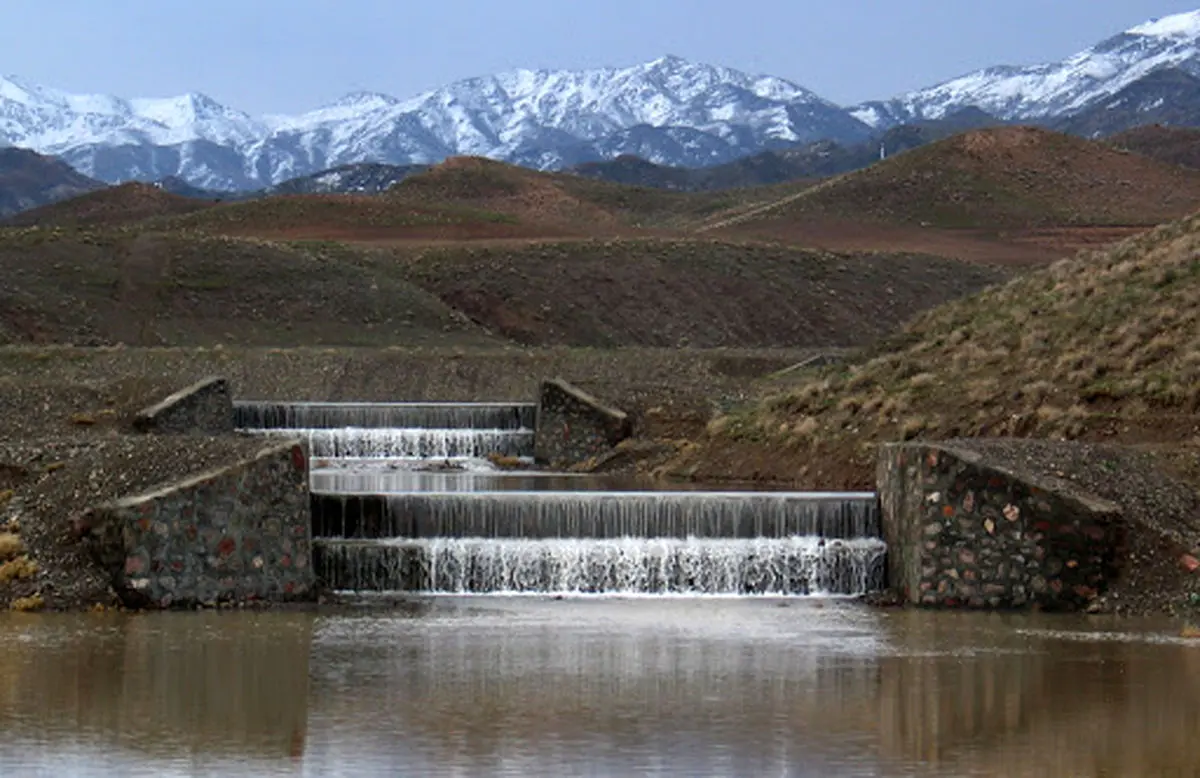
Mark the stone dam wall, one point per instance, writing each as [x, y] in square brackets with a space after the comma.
[238, 534]
[963, 532]
[205, 407]
[573, 426]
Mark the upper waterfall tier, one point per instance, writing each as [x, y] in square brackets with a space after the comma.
[325, 415]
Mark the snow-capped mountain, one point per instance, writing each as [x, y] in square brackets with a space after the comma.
[1056, 89]
[669, 110]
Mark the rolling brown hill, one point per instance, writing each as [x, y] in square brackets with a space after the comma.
[1012, 195]
[112, 206]
[561, 200]
[1173, 145]
[463, 198]
[525, 195]
[103, 288]
[186, 289]
[996, 181]
[683, 292]
[460, 199]
[347, 218]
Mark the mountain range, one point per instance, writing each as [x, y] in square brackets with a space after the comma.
[668, 112]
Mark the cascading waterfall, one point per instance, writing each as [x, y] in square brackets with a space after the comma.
[399, 477]
[316, 415]
[596, 515]
[758, 566]
[420, 443]
[382, 521]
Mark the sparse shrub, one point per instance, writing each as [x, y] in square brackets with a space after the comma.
[959, 336]
[861, 379]
[982, 390]
[805, 427]
[1037, 391]
[922, 380]
[505, 462]
[893, 407]
[1050, 414]
[850, 404]
[718, 425]
[11, 546]
[28, 604]
[1072, 360]
[18, 569]
[912, 427]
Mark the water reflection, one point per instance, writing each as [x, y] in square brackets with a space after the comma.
[495, 686]
[145, 689]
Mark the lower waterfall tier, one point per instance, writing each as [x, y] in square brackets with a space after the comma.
[782, 566]
[608, 515]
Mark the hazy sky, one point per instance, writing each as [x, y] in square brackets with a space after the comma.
[291, 55]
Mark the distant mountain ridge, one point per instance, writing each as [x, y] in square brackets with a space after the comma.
[29, 180]
[670, 112]
[1052, 91]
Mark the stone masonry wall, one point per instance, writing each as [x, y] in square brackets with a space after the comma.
[573, 426]
[239, 534]
[204, 407]
[962, 532]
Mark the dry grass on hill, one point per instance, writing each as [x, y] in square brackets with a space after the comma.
[1105, 346]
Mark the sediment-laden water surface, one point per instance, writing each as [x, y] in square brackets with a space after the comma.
[689, 686]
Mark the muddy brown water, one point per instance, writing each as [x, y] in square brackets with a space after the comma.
[606, 687]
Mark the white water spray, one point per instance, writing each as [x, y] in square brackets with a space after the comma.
[786, 566]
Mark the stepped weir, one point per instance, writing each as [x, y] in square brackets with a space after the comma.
[384, 522]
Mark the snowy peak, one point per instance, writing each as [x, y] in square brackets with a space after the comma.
[1183, 25]
[178, 111]
[14, 91]
[366, 101]
[36, 97]
[683, 112]
[53, 121]
[196, 116]
[1055, 89]
[687, 80]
